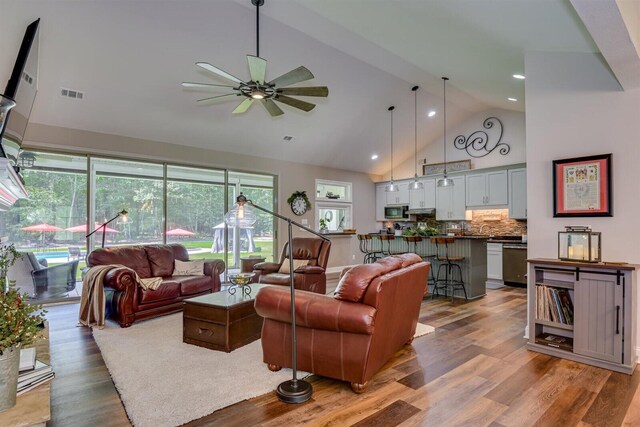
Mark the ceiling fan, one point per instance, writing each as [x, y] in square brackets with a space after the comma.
[257, 89]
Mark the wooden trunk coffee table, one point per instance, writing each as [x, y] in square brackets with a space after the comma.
[221, 321]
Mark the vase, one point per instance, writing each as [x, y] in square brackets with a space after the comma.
[9, 365]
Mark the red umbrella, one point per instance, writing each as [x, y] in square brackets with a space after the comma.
[180, 232]
[41, 227]
[83, 229]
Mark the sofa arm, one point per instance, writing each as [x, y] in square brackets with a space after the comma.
[315, 311]
[213, 267]
[120, 279]
[309, 269]
[266, 267]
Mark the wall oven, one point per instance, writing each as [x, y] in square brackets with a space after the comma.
[397, 213]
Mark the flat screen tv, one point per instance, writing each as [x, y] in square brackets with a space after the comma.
[22, 87]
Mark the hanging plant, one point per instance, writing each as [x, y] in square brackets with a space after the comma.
[302, 194]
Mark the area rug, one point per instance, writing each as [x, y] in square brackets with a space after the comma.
[164, 382]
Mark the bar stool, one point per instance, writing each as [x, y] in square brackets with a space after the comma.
[415, 240]
[366, 248]
[450, 263]
[386, 238]
[375, 248]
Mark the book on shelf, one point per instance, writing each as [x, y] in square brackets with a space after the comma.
[35, 383]
[554, 305]
[27, 359]
[39, 370]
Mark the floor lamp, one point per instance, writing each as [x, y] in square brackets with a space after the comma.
[241, 215]
[123, 213]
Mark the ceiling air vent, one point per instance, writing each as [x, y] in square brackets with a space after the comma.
[288, 138]
[70, 93]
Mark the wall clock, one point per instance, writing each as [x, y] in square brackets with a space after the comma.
[299, 202]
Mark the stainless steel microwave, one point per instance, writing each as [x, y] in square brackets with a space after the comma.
[396, 212]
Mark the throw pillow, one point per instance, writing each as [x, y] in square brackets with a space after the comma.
[284, 268]
[189, 268]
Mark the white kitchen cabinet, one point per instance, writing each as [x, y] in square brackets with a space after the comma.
[450, 201]
[518, 193]
[424, 198]
[487, 189]
[381, 201]
[494, 263]
[400, 197]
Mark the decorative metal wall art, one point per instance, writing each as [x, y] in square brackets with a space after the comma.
[480, 144]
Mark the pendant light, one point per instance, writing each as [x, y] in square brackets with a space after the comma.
[445, 181]
[415, 185]
[391, 187]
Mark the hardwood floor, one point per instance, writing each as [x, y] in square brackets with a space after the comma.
[473, 371]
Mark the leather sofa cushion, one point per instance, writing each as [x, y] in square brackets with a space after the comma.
[354, 283]
[179, 252]
[168, 289]
[190, 285]
[408, 259]
[160, 260]
[276, 279]
[390, 263]
[133, 257]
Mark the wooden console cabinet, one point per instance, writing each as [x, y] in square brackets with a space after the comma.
[584, 312]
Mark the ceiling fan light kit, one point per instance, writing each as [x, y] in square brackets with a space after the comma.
[416, 184]
[257, 89]
[445, 181]
[391, 187]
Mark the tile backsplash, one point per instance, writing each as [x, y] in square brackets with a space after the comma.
[497, 222]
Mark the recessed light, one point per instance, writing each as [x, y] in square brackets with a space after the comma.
[374, 156]
[512, 99]
[431, 113]
[518, 76]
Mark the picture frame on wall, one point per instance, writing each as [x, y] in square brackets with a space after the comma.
[438, 168]
[582, 187]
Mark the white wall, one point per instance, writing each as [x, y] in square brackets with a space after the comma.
[513, 134]
[575, 107]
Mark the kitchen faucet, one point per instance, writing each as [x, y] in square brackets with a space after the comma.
[490, 230]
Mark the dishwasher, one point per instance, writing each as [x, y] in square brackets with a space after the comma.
[514, 264]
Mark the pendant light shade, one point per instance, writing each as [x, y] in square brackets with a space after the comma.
[445, 181]
[416, 184]
[240, 215]
[6, 104]
[391, 187]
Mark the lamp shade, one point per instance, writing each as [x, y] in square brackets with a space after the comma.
[445, 182]
[416, 184]
[6, 104]
[240, 215]
[391, 187]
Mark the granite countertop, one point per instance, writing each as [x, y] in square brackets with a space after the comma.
[498, 239]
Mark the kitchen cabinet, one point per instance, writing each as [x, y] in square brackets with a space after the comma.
[381, 201]
[400, 197]
[424, 198]
[494, 263]
[518, 193]
[487, 189]
[450, 201]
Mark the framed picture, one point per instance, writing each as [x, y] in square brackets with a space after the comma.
[582, 187]
[438, 168]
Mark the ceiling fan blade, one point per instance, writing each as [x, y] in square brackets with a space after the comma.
[272, 108]
[218, 72]
[302, 105]
[244, 106]
[203, 85]
[217, 98]
[305, 91]
[298, 75]
[257, 68]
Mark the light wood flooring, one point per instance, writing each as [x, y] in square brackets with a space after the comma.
[473, 371]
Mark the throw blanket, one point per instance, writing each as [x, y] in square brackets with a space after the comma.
[92, 304]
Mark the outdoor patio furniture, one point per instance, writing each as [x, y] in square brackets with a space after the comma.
[75, 253]
[41, 282]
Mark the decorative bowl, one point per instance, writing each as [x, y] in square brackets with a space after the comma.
[241, 279]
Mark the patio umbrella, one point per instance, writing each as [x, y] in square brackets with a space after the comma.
[42, 228]
[83, 229]
[180, 232]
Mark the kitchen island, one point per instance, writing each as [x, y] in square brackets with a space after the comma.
[472, 248]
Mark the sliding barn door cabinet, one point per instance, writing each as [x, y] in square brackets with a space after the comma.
[584, 312]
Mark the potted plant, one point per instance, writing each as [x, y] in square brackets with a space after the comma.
[324, 225]
[18, 328]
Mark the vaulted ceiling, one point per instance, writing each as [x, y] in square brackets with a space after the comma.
[129, 58]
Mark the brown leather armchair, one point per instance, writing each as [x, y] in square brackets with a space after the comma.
[348, 337]
[310, 277]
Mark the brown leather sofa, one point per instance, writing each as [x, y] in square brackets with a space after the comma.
[127, 302]
[350, 336]
[310, 277]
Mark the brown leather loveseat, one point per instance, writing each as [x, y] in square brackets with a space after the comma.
[313, 252]
[127, 302]
[350, 336]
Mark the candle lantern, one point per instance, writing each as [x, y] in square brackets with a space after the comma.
[579, 244]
